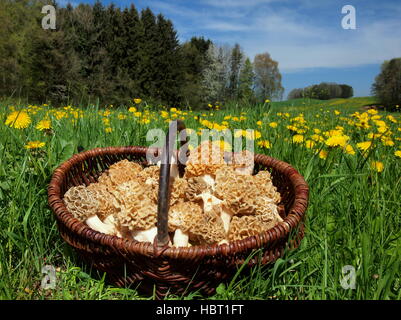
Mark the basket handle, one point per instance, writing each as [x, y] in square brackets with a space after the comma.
[162, 238]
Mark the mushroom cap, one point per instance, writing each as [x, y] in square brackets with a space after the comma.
[204, 159]
[138, 210]
[264, 180]
[178, 189]
[196, 186]
[242, 227]
[120, 172]
[108, 204]
[201, 227]
[150, 173]
[81, 202]
[241, 192]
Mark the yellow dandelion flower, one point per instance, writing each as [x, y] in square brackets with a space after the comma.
[337, 141]
[264, 144]
[137, 100]
[323, 154]
[310, 144]
[292, 128]
[398, 153]
[18, 120]
[273, 124]
[259, 123]
[298, 138]
[392, 119]
[44, 125]
[388, 142]
[349, 149]
[267, 101]
[132, 109]
[377, 166]
[382, 129]
[364, 145]
[144, 121]
[108, 130]
[34, 145]
[317, 138]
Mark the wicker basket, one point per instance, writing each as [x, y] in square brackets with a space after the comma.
[169, 269]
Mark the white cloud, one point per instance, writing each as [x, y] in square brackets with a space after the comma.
[237, 3]
[295, 38]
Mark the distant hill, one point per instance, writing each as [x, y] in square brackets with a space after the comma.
[352, 103]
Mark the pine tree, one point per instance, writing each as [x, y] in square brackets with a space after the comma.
[169, 74]
[246, 82]
[194, 62]
[236, 64]
[149, 48]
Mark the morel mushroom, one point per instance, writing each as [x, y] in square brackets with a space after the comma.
[246, 226]
[108, 205]
[188, 222]
[203, 162]
[138, 210]
[120, 172]
[246, 195]
[83, 205]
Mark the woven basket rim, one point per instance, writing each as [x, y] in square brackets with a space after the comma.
[130, 246]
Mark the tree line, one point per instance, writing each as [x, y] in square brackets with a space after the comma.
[323, 91]
[387, 85]
[114, 54]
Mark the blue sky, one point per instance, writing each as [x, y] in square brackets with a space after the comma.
[304, 36]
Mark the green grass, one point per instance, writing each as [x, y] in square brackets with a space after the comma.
[354, 215]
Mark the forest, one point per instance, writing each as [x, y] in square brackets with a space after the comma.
[110, 55]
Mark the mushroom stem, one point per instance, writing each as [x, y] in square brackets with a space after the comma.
[209, 201]
[226, 216]
[145, 235]
[180, 239]
[111, 221]
[209, 180]
[96, 224]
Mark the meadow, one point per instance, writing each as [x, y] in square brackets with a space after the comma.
[350, 157]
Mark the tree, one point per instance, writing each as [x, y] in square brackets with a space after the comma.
[235, 67]
[246, 82]
[267, 77]
[295, 94]
[387, 85]
[169, 75]
[149, 47]
[346, 91]
[194, 60]
[215, 75]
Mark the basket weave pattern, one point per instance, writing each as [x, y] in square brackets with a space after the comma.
[175, 270]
